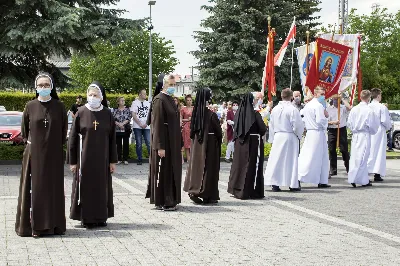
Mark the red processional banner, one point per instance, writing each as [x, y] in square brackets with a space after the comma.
[327, 65]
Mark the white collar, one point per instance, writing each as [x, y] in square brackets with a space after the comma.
[44, 101]
[94, 109]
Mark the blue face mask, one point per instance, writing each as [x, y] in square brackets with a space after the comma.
[43, 92]
[171, 91]
[321, 100]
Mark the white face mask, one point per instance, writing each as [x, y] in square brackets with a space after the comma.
[259, 102]
[94, 102]
[235, 108]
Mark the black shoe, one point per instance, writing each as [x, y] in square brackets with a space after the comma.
[195, 199]
[333, 173]
[390, 150]
[102, 224]
[378, 178]
[295, 189]
[353, 184]
[169, 208]
[330, 176]
[227, 160]
[323, 185]
[139, 162]
[276, 189]
[208, 201]
[89, 225]
[368, 185]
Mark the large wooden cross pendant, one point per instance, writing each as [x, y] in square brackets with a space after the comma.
[95, 123]
[45, 122]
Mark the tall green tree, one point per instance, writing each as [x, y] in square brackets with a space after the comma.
[31, 31]
[233, 45]
[123, 67]
[380, 51]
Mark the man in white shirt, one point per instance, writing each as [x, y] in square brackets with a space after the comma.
[377, 156]
[313, 158]
[285, 130]
[364, 124]
[140, 110]
[333, 123]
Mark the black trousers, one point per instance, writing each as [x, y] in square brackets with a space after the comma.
[343, 146]
[122, 156]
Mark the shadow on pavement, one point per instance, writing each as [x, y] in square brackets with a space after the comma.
[204, 209]
[286, 198]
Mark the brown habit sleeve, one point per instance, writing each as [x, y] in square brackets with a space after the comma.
[261, 125]
[74, 141]
[25, 124]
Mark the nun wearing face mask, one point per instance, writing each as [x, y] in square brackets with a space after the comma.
[203, 172]
[41, 204]
[165, 177]
[246, 179]
[92, 156]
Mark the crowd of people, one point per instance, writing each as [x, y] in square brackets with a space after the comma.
[303, 138]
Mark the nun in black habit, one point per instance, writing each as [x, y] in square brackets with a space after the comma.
[41, 203]
[203, 172]
[246, 180]
[92, 156]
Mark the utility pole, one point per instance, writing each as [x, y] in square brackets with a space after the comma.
[343, 15]
[151, 3]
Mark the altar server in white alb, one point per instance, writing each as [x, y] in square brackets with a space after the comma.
[377, 156]
[285, 131]
[364, 124]
[313, 158]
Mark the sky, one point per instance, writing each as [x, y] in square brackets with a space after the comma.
[177, 20]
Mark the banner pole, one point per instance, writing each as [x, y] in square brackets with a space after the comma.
[291, 68]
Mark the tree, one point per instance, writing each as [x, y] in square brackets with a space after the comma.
[123, 68]
[380, 51]
[233, 45]
[31, 31]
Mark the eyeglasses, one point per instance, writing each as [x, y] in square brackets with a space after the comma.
[42, 86]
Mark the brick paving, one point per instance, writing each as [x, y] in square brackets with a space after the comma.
[336, 226]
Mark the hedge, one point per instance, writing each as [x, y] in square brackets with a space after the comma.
[16, 101]
[11, 152]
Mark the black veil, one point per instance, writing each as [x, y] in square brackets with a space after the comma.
[53, 92]
[198, 116]
[244, 118]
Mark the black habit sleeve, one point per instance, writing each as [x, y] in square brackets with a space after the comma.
[74, 141]
[261, 125]
[65, 124]
[216, 127]
[158, 126]
[112, 142]
[25, 124]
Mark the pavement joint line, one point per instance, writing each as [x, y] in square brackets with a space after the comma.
[126, 185]
[332, 219]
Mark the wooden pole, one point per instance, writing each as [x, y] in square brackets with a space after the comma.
[307, 60]
[338, 106]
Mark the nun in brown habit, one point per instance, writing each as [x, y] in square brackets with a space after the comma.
[41, 202]
[246, 180]
[203, 172]
[92, 156]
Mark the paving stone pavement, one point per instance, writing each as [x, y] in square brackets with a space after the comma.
[336, 226]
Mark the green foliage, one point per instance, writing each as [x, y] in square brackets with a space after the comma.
[233, 45]
[124, 67]
[31, 31]
[11, 152]
[16, 101]
[380, 51]
[132, 151]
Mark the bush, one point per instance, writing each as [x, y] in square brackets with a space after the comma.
[11, 152]
[16, 101]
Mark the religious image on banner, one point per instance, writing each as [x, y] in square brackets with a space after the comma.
[327, 66]
[350, 70]
[302, 58]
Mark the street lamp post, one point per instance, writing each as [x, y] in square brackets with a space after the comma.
[151, 3]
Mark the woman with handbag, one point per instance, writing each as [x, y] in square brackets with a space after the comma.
[122, 116]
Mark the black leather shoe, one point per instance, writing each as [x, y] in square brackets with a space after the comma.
[353, 184]
[295, 189]
[139, 163]
[276, 189]
[323, 185]
[333, 173]
[195, 199]
[378, 178]
[368, 185]
[103, 224]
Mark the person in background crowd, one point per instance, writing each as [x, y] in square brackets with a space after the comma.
[297, 100]
[92, 159]
[76, 105]
[179, 106]
[186, 113]
[140, 111]
[41, 202]
[230, 116]
[122, 116]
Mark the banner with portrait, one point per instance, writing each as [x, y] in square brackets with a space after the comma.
[351, 68]
[327, 66]
[302, 57]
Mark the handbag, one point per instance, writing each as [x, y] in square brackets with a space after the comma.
[128, 128]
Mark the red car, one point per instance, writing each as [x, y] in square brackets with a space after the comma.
[10, 128]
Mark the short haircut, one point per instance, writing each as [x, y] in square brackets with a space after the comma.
[188, 96]
[318, 89]
[119, 98]
[365, 95]
[142, 90]
[167, 77]
[287, 94]
[375, 92]
[235, 102]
